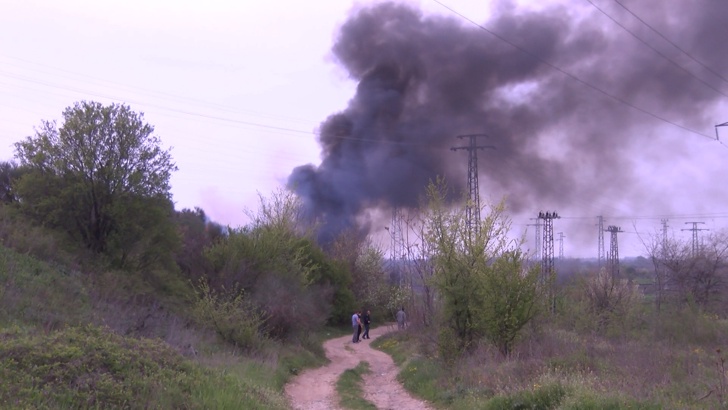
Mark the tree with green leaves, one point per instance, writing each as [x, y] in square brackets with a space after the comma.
[9, 173]
[285, 273]
[510, 297]
[485, 287]
[102, 177]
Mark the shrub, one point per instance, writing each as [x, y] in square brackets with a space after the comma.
[89, 367]
[33, 292]
[231, 315]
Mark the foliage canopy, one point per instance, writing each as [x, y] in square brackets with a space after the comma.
[102, 177]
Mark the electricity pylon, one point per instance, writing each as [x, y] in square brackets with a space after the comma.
[548, 274]
[537, 237]
[614, 251]
[472, 208]
[695, 230]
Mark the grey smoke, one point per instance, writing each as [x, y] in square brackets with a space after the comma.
[422, 80]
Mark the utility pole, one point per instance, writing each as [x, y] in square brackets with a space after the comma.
[548, 274]
[396, 249]
[614, 251]
[561, 245]
[537, 238]
[664, 236]
[695, 230]
[600, 241]
[472, 208]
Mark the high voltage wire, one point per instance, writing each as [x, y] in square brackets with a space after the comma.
[186, 112]
[574, 77]
[658, 52]
[650, 217]
[207, 116]
[154, 93]
[717, 74]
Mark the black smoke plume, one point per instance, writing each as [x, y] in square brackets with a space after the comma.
[560, 144]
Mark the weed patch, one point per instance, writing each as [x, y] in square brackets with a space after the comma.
[349, 388]
[88, 367]
[34, 293]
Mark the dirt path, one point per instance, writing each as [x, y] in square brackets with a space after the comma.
[315, 389]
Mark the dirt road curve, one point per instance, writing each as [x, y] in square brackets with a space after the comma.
[315, 389]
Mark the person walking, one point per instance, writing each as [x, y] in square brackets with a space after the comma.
[356, 325]
[401, 319]
[366, 319]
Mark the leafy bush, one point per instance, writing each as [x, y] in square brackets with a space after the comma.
[231, 315]
[35, 293]
[20, 234]
[90, 367]
[606, 293]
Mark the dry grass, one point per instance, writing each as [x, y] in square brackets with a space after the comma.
[642, 372]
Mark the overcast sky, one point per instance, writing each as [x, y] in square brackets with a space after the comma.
[238, 89]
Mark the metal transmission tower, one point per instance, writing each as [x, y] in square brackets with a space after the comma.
[472, 209]
[695, 230]
[548, 274]
[397, 248]
[537, 238]
[664, 236]
[600, 238]
[614, 251]
[561, 245]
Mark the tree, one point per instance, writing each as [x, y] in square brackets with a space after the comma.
[692, 277]
[9, 173]
[277, 263]
[656, 248]
[480, 275]
[197, 233]
[510, 297]
[84, 175]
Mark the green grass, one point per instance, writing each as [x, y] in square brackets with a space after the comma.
[88, 366]
[51, 357]
[36, 294]
[349, 388]
[91, 367]
[399, 345]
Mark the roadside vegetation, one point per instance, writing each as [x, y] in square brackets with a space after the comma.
[502, 337]
[111, 298]
[350, 390]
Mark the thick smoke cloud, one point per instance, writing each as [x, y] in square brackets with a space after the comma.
[422, 80]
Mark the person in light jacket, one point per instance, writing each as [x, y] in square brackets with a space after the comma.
[401, 319]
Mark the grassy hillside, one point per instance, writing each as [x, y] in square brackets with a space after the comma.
[34, 294]
[70, 339]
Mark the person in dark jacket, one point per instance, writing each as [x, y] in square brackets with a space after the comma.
[366, 320]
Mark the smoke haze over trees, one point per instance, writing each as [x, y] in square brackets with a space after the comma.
[560, 144]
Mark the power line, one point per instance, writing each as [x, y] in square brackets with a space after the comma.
[658, 52]
[154, 93]
[574, 77]
[717, 215]
[717, 74]
[214, 117]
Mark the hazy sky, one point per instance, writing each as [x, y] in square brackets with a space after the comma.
[238, 88]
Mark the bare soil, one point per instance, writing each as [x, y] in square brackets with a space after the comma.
[315, 389]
